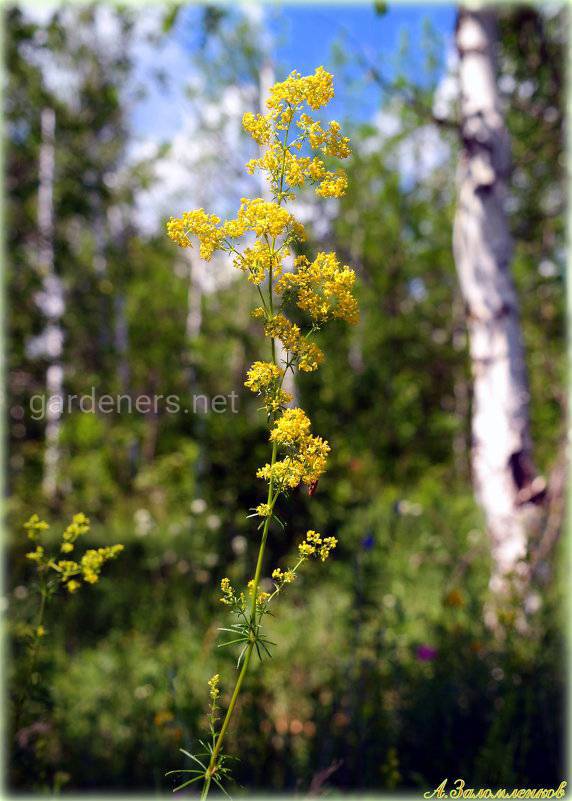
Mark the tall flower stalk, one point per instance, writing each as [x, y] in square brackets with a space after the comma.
[260, 241]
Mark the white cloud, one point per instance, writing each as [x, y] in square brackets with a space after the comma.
[416, 155]
[447, 92]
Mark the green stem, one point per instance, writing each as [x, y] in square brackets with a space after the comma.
[212, 764]
[36, 645]
[206, 787]
[33, 658]
[262, 548]
[211, 770]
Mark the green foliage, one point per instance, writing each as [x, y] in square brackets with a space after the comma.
[385, 672]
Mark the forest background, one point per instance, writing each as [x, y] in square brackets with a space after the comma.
[387, 672]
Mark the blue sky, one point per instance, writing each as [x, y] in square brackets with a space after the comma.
[297, 37]
[302, 37]
[305, 34]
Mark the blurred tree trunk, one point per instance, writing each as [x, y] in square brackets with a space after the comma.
[194, 299]
[118, 234]
[504, 475]
[51, 302]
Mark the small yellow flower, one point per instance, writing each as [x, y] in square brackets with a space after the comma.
[228, 596]
[328, 545]
[78, 526]
[176, 231]
[316, 545]
[213, 684]
[40, 631]
[37, 555]
[305, 549]
[93, 560]
[264, 217]
[34, 526]
[262, 598]
[286, 577]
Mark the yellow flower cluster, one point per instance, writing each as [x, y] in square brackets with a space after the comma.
[283, 577]
[264, 217]
[37, 554]
[88, 567]
[315, 90]
[331, 141]
[307, 355]
[229, 596]
[297, 171]
[201, 225]
[262, 596]
[280, 327]
[323, 288]
[93, 560]
[333, 185]
[284, 167]
[291, 428]
[78, 526]
[306, 455]
[259, 127]
[256, 261]
[227, 590]
[316, 545]
[262, 375]
[265, 378]
[213, 683]
[34, 527]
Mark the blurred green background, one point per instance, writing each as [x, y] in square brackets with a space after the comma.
[385, 672]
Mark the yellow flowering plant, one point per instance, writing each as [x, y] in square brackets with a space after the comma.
[293, 146]
[59, 566]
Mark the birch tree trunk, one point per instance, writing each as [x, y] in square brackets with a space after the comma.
[504, 476]
[51, 303]
[117, 229]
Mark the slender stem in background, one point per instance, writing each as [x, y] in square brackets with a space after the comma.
[29, 677]
[37, 635]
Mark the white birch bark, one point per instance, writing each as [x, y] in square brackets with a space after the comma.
[51, 302]
[117, 230]
[505, 480]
